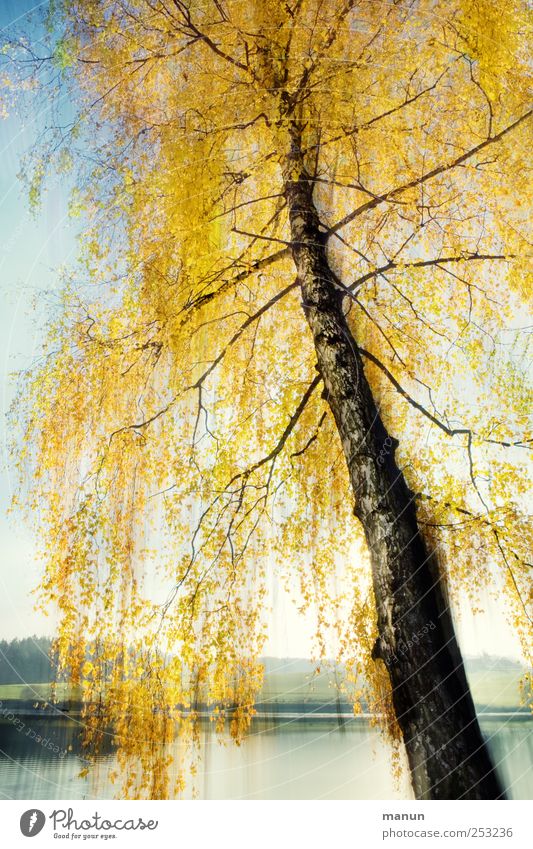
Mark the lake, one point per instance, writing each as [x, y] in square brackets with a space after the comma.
[282, 758]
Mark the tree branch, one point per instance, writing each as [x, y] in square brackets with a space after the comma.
[440, 169]
[449, 431]
[425, 263]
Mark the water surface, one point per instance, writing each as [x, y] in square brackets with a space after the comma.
[282, 758]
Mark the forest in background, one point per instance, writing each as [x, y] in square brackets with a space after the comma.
[293, 682]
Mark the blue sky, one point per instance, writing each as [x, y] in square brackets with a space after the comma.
[32, 250]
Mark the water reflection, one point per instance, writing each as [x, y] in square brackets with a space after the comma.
[281, 759]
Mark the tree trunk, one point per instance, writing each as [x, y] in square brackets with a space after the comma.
[447, 756]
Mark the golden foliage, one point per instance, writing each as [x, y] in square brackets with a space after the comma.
[166, 429]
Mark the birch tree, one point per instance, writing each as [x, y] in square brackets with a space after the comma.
[294, 352]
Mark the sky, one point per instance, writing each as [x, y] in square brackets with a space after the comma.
[33, 247]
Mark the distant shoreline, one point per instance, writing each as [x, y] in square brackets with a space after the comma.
[285, 711]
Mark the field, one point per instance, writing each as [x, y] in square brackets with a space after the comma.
[492, 689]
[34, 692]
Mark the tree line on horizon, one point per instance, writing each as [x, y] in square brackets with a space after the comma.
[26, 660]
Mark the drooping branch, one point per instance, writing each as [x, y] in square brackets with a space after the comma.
[192, 29]
[427, 263]
[313, 437]
[252, 268]
[327, 41]
[449, 431]
[387, 113]
[244, 326]
[278, 448]
[236, 496]
[484, 520]
[428, 175]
